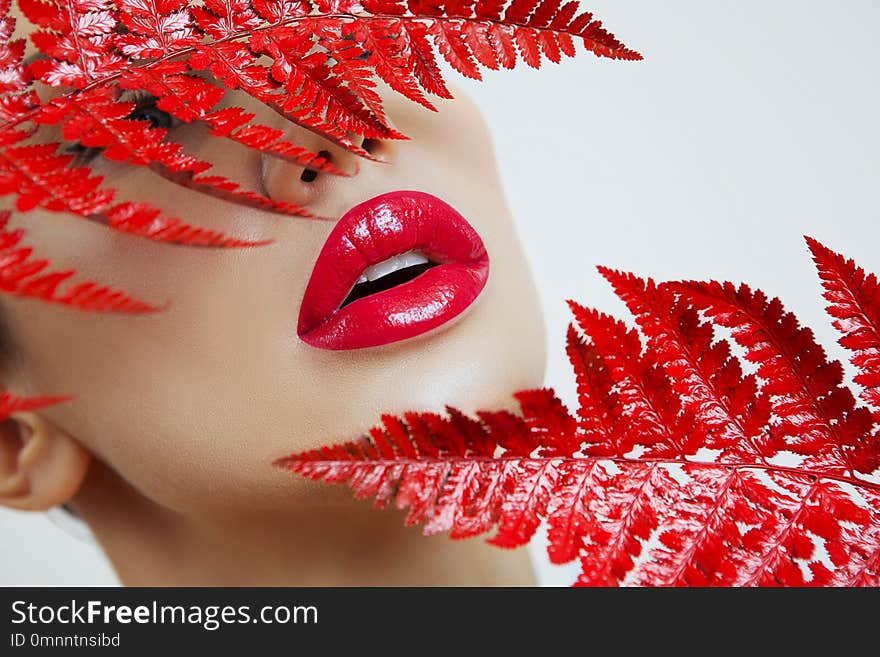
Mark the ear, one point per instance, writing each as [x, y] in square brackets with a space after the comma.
[41, 465]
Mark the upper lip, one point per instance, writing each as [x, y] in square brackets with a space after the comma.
[375, 230]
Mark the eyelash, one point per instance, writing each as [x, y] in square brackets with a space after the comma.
[143, 100]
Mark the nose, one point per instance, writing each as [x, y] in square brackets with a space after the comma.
[309, 187]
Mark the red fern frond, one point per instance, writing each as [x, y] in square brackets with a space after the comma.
[677, 469]
[451, 44]
[42, 178]
[644, 410]
[818, 417]
[421, 59]
[14, 76]
[11, 403]
[226, 18]
[706, 378]
[79, 38]
[146, 221]
[854, 302]
[321, 97]
[155, 29]
[23, 276]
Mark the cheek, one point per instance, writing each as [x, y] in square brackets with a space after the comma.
[172, 400]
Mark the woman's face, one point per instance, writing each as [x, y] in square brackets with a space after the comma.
[191, 405]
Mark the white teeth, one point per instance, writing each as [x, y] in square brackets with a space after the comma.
[392, 264]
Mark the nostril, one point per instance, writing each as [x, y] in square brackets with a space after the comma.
[379, 150]
[309, 175]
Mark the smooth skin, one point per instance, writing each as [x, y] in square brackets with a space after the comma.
[166, 449]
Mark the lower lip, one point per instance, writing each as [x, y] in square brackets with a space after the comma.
[403, 311]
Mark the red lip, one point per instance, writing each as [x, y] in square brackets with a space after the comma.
[371, 232]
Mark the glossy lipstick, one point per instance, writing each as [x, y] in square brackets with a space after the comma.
[372, 232]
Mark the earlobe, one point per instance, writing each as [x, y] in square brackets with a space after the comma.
[41, 465]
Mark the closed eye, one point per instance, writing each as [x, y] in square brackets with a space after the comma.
[145, 110]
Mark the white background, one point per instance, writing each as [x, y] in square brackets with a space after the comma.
[748, 125]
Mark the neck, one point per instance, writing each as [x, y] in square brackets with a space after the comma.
[344, 543]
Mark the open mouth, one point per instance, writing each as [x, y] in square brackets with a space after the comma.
[396, 270]
[394, 266]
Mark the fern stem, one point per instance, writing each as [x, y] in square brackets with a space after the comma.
[73, 11]
[290, 463]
